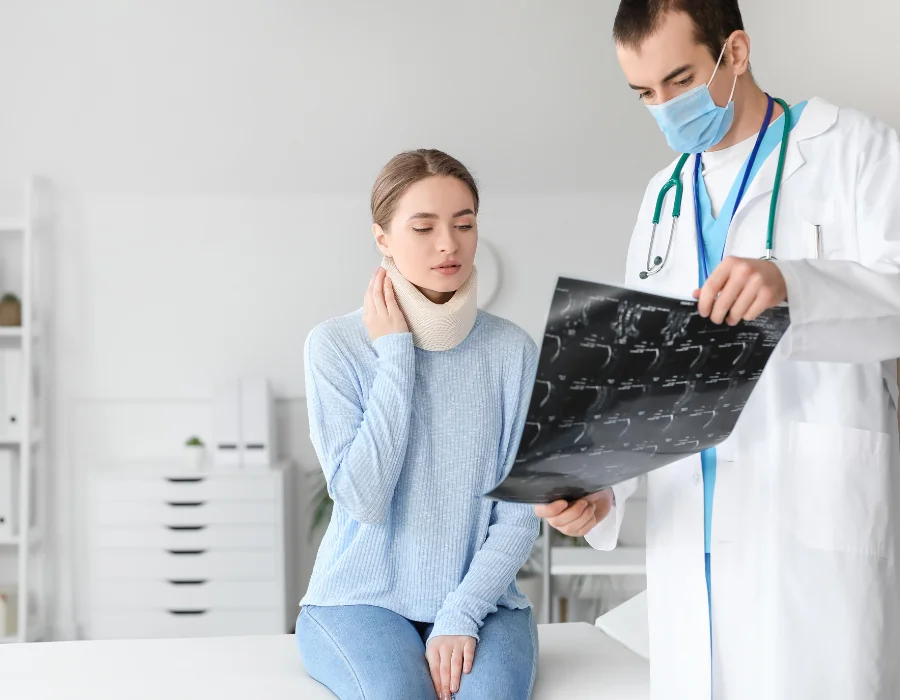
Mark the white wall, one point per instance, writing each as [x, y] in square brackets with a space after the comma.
[215, 159]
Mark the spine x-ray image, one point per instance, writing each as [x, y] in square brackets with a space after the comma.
[628, 382]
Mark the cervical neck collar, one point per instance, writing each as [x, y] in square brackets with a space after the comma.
[435, 327]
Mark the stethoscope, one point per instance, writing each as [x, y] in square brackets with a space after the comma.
[655, 265]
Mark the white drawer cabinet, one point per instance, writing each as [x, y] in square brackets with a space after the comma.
[220, 512]
[184, 594]
[187, 555]
[187, 537]
[190, 489]
[116, 564]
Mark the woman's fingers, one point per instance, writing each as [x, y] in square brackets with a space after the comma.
[433, 656]
[456, 667]
[390, 299]
[468, 656]
[368, 305]
[446, 658]
[378, 293]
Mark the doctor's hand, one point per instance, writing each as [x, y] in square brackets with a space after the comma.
[578, 518]
[381, 313]
[740, 289]
[449, 656]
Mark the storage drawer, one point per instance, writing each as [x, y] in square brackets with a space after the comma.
[184, 594]
[185, 623]
[262, 487]
[159, 564]
[184, 512]
[191, 537]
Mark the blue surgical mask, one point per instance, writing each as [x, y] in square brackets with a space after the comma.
[693, 122]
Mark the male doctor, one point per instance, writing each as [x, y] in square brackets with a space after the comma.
[773, 562]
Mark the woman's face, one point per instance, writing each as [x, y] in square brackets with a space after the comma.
[432, 236]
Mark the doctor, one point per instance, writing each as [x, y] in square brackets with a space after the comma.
[773, 562]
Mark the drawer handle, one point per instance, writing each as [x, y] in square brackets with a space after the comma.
[188, 582]
[186, 551]
[187, 612]
[186, 528]
[185, 504]
[184, 479]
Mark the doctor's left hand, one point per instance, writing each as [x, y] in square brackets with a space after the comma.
[740, 289]
[449, 656]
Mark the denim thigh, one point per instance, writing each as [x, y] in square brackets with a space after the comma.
[506, 657]
[362, 652]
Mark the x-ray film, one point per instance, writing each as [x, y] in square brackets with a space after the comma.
[628, 382]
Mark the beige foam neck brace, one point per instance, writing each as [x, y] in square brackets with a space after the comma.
[435, 327]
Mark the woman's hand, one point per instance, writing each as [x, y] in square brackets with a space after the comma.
[381, 313]
[448, 658]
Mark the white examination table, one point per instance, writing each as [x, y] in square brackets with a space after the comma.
[576, 661]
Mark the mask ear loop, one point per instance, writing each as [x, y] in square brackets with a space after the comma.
[733, 86]
[716, 70]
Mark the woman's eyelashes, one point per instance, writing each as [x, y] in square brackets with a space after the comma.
[429, 229]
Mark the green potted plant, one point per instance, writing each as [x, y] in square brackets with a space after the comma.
[10, 310]
[194, 451]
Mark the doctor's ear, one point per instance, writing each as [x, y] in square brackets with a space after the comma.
[739, 53]
[381, 239]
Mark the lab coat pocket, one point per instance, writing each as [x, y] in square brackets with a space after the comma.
[814, 231]
[837, 488]
[815, 210]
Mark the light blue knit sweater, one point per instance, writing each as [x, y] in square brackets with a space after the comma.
[409, 440]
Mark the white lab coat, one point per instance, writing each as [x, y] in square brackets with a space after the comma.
[806, 517]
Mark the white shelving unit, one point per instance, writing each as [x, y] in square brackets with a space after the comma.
[583, 561]
[586, 561]
[24, 244]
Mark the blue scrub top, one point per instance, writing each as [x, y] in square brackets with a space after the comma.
[715, 233]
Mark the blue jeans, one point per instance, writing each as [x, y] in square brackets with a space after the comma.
[361, 652]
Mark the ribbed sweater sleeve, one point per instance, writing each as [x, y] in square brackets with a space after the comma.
[361, 450]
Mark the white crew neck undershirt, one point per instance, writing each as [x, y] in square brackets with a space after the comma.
[721, 168]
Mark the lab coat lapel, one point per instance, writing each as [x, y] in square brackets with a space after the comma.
[817, 118]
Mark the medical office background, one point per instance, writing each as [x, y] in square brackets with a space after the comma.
[212, 163]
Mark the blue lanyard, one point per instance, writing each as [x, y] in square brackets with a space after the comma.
[701, 246]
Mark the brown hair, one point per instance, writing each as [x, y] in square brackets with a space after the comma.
[714, 21]
[408, 168]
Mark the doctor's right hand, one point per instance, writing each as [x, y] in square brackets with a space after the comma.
[578, 518]
[381, 313]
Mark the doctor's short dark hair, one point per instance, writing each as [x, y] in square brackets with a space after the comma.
[714, 20]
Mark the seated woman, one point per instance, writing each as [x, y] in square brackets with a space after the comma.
[416, 405]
